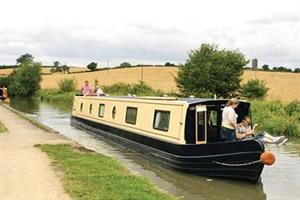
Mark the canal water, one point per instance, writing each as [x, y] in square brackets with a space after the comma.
[279, 182]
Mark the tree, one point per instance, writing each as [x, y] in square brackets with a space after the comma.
[297, 70]
[25, 58]
[125, 64]
[209, 71]
[25, 81]
[65, 68]
[56, 67]
[92, 66]
[168, 64]
[254, 89]
[266, 67]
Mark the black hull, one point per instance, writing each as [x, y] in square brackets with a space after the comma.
[207, 159]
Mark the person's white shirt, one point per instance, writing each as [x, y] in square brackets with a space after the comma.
[99, 92]
[229, 117]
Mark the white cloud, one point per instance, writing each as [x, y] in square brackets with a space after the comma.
[77, 32]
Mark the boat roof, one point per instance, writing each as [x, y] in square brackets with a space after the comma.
[189, 101]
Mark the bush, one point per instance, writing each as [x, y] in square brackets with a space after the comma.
[117, 89]
[67, 85]
[293, 107]
[25, 81]
[276, 117]
[140, 89]
[254, 89]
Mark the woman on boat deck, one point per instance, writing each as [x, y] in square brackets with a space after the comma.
[86, 90]
[229, 120]
[244, 132]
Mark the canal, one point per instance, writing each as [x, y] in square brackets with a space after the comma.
[279, 182]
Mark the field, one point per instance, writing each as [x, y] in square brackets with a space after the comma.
[5, 72]
[283, 86]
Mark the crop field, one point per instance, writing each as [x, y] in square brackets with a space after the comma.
[5, 72]
[283, 86]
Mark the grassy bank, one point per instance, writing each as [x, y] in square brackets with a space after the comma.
[89, 175]
[62, 100]
[2, 128]
[276, 117]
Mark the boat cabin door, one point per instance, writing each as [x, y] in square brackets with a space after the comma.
[201, 125]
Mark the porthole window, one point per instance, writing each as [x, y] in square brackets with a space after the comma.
[161, 120]
[91, 108]
[81, 107]
[101, 110]
[114, 112]
[131, 113]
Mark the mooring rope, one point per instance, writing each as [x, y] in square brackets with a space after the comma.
[237, 164]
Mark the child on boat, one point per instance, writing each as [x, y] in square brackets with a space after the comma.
[244, 132]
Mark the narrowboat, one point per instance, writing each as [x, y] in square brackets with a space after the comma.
[3, 93]
[180, 133]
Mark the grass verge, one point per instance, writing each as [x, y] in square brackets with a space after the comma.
[89, 175]
[2, 128]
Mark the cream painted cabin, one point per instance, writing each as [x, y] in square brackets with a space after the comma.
[113, 111]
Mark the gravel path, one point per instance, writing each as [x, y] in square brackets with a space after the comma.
[26, 172]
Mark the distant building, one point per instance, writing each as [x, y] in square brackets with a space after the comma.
[254, 63]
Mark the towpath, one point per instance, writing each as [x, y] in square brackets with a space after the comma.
[26, 172]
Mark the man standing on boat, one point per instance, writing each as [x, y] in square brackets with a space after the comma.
[86, 90]
[229, 120]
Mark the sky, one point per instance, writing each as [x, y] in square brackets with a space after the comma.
[148, 32]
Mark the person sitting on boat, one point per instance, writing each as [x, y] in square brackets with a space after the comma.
[229, 120]
[244, 132]
[86, 89]
[99, 92]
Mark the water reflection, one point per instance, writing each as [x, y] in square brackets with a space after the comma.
[281, 181]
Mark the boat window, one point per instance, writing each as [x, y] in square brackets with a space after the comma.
[81, 107]
[131, 113]
[101, 110]
[161, 120]
[114, 112]
[91, 108]
[213, 118]
[201, 126]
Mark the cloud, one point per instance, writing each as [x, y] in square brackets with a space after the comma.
[152, 32]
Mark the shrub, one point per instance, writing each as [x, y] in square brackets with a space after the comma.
[254, 89]
[274, 117]
[141, 89]
[117, 89]
[67, 85]
[292, 108]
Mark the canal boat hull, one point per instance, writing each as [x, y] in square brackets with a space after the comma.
[234, 160]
